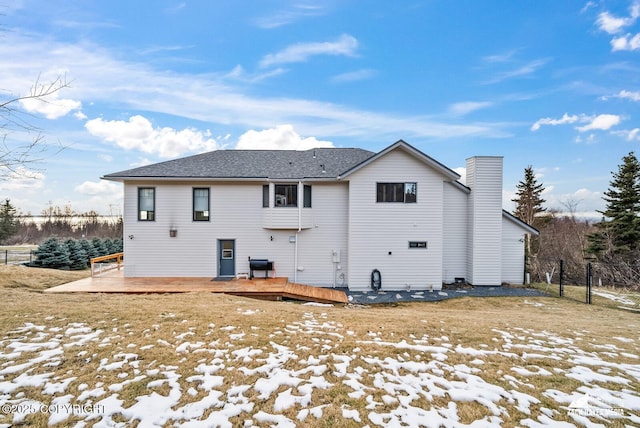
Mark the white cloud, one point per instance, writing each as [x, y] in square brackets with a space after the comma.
[100, 188]
[138, 133]
[103, 77]
[282, 137]
[584, 201]
[626, 43]
[353, 76]
[601, 122]
[462, 108]
[21, 179]
[51, 107]
[525, 70]
[590, 139]
[613, 24]
[624, 94]
[105, 157]
[345, 45]
[549, 121]
[629, 135]
[288, 16]
[462, 171]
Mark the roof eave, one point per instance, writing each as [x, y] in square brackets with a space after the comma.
[530, 229]
[408, 148]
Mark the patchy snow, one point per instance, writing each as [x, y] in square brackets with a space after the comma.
[389, 381]
[618, 298]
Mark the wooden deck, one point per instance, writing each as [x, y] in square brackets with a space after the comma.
[260, 288]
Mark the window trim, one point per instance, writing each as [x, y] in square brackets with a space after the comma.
[193, 204]
[153, 215]
[404, 200]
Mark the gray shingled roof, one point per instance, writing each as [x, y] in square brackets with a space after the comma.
[272, 164]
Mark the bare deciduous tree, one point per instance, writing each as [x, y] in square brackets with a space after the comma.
[14, 153]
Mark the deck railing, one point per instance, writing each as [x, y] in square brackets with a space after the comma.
[101, 266]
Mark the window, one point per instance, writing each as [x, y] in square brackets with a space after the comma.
[286, 195]
[201, 204]
[265, 196]
[307, 196]
[146, 203]
[397, 192]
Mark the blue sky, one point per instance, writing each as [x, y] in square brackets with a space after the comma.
[552, 84]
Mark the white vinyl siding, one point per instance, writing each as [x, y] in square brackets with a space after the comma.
[329, 232]
[379, 233]
[484, 177]
[455, 221]
[512, 252]
[235, 215]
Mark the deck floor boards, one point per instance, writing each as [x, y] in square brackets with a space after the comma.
[264, 288]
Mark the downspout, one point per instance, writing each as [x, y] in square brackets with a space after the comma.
[295, 255]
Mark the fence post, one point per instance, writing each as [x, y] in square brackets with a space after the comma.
[588, 283]
[6, 257]
[561, 277]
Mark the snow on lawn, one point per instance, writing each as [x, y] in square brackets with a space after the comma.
[621, 298]
[413, 381]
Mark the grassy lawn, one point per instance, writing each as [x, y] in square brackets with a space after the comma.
[602, 296]
[181, 359]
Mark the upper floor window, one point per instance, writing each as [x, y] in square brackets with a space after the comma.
[201, 204]
[286, 195]
[307, 196]
[397, 192]
[146, 203]
[265, 196]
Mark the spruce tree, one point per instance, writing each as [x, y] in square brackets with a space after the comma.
[52, 254]
[77, 256]
[89, 249]
[99, 246]
[529, 203]
[8, 221]
[621, 221]
[528, 198]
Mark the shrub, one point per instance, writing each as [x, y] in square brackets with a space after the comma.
[52, 254]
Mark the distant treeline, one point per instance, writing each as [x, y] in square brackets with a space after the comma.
[64, 223]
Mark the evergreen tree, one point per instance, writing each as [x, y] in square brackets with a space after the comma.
[529, 203]
[52, 254]
[99, 246]
[110, 246]
[621, 223]
[119, 247]
[89, 249]
[77, 256]
[8, 221]
[528, 198]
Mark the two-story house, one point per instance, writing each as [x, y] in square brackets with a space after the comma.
[325, 217]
